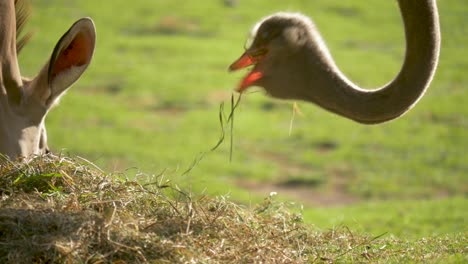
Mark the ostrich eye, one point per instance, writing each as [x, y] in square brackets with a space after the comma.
[248, 42]
[260, 37]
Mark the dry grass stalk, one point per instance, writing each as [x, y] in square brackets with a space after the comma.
[60, 210]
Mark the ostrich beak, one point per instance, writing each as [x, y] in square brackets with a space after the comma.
[247, 59]
[244, 61]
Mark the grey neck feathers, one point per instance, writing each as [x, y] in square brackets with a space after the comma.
[334, 92]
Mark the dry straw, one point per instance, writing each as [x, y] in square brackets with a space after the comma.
[64, 210]
[56, 209]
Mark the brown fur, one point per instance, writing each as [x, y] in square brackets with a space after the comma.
[24, 103]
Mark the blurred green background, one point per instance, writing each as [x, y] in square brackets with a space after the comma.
[149, 104]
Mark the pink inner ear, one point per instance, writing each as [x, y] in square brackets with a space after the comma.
[77, 53]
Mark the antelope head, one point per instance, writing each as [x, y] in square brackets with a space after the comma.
[24, 102]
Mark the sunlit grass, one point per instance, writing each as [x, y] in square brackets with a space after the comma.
[150, 101]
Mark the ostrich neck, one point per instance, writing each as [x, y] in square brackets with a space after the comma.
[333, 91]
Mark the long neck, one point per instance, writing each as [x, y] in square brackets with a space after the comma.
[344, 98]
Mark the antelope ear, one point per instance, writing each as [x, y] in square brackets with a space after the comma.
[70, 58]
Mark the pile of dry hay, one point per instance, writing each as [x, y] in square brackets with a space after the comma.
[56, 209]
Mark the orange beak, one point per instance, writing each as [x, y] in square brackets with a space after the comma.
[244, 61]
[247, 59]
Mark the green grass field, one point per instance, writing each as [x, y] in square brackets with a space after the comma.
[150, 101]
